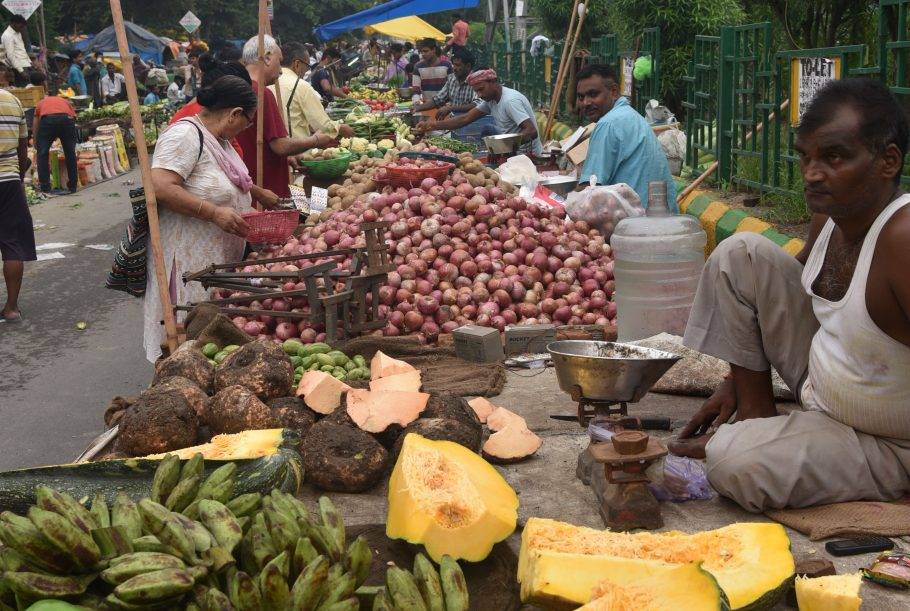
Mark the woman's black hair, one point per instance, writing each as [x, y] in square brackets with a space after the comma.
[212, 70]
[227, 92]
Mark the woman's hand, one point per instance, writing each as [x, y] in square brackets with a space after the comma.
[324, 140]
[230, 221]
[268, 199]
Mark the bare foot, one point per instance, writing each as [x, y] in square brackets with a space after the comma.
[691, 447]
[10, 315]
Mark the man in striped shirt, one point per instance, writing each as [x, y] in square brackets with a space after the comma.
[430, 73]
[456, 96]
[17, 235]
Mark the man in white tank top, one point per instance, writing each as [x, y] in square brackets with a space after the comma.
[834, 321]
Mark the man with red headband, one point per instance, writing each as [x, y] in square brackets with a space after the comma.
[511, 111]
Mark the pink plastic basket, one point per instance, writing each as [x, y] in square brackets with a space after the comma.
[271, 226]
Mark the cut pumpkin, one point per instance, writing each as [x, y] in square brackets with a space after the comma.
[635, 585]
[383, 366]
[511, 444]
[374, 412]
[562, 563]
[500, 418]
[448, 499]
[482, 408]
[829, 593]
[238, 446]
[402, 382]
[321, 392]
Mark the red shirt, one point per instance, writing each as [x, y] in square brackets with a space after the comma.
[54, 105]
[276, 176]
[191, 109]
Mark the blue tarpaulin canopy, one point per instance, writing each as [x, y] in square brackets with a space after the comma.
[142, 42]
[389, 10]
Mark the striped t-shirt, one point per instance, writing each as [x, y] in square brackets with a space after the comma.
[12, 127]
[428, 80]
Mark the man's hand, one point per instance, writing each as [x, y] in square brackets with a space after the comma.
[443, 112]
[230, 221]
[268, 199]
[717, 410]
[425, 126]
[345, 131]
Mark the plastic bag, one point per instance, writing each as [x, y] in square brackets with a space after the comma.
[519, 170]
[603, 207]
[681, 479]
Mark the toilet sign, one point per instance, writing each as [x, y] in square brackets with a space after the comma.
[25, 8]
[190, 22]
[627, 68]
[807, 76]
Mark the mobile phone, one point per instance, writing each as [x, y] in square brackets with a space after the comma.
[859, 545]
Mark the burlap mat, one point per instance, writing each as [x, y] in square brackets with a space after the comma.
[839, 519]
[442, 371]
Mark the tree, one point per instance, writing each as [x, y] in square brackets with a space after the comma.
[555, 16]
[808, 24]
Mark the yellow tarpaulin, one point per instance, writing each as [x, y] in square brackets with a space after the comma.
[406, 28]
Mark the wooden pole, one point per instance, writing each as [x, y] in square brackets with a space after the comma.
[170, 324]
[554, 96]
[260, 92]
[570, 61]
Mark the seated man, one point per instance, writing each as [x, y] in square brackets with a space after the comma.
[511, 111]
[623, 147]
[834, 321]
[456, 96]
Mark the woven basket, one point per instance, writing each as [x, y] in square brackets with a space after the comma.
[272, 226]
[327, 168]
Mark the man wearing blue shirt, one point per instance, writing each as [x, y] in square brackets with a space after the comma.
[74, 77]
[623, 147]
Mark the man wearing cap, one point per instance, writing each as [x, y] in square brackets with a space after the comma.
[511, 111]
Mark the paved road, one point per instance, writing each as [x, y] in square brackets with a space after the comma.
[56, 381]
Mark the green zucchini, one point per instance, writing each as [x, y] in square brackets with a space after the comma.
[283, 470]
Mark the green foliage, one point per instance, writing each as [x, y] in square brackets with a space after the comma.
[556, 14]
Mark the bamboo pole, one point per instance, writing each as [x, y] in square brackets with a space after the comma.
[713, 167]
[554, 101]
[570, 62]
[145, 170]
[260, 91]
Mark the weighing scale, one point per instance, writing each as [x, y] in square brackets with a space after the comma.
[604, 378]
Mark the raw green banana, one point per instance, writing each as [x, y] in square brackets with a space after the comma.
[382, 601]
[166, 477]
[174, 534]
[125, 513]
[202, 538]
[339, 589]
[273, 584]
[192, 510]
[244, 593]
[139, 563]
[366, 594]
[282, 527]
[155, 586]
[310, 585]
[39, 585]
[428, 583]
[21, 535]
[193, 466]
[454, 585]
[216, 600]
[219, 476]
[324, 541]
[245, 504]
[112, 602]
[11, 560]
[100, 511]
[219, 559]
[66, 506]
[154, 515]
[66, 537]
[403, 590]
[358, 559]
[332, 520]
[304, 553]
[151, 543]
[112, 541]
[262, 548]
[348, 604]
[183, 493]
[219, 520]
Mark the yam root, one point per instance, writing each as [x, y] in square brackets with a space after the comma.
[511, 444]
[500, 418]
[187, 362]
[383, 366]
[161, 420]
[291, 413]
[237, 408]
[321, 392]
[261, 366]
[338, 458]
[441, 429]
[452, 407]
[194, 395]
[482, 408]
[375, 411]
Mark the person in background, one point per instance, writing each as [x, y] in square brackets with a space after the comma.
[192, 74]
[410, 53]
[92, 72]
[323, 78]
[301, 107]
[623, 147]
[14, 47]
[396, 64]
[456, 96]
[510, 109]
[277, 145]
[113, 86]
[140, 70]
[74, 76]
[152, 96]
[202, 187]
[54, 118]
[228, 53]
[430, 73]
[460, 32]
[175, 90]
[17, 234]
[373, 50]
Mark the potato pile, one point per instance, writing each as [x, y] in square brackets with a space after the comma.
[358, 181]
[323, 154]
[479, 175]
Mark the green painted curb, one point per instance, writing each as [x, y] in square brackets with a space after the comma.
[776, 236]
[698, 205]
[728, 223]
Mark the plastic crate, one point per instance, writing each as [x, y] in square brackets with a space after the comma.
[271, 226]
[28, 96]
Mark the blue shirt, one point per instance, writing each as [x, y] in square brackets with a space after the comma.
[75, 80]
[151, 98]
[623, 148]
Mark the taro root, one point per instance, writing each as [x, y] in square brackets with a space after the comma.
[161, 420]
[291, 413]
[190, 390]
[187, 362]
[341, 458]
[235, 409]
[261, 366]
[441, 429]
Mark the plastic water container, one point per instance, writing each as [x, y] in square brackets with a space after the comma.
[658, 260]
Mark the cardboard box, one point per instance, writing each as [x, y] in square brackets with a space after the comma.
[529, 339]
[478, 344]
[576, 145]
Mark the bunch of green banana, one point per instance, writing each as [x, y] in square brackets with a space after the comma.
[424, 589]
[181, 488]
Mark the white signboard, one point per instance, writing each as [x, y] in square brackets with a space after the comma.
[807, 76]
[190, 22]
[22, 7]
[519, 8]
[319, 199]
[626, 78]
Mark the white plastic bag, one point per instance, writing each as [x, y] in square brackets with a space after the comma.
[673, 142]
[519, 171]
[603, 207]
